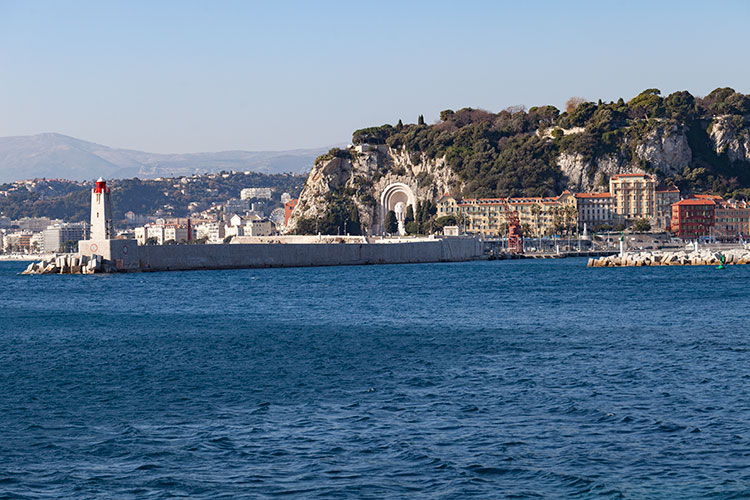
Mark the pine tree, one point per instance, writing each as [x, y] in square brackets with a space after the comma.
[399, 125]
[420, 120]
[409, 215]
[353, 226]
[391, 224]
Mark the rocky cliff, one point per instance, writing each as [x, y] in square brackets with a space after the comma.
[362, 174]
[730, 135]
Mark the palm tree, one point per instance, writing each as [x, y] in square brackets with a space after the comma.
[571, 216]
[536, 210]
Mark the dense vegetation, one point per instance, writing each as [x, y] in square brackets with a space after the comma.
[513, 152]
[341, 217]
[70, 200]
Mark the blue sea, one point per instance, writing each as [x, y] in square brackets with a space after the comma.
[505, 379]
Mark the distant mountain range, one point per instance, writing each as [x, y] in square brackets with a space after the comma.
[59, 156]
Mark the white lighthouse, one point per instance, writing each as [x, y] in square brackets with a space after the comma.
[101, 212]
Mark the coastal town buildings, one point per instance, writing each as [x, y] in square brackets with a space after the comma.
[594, 209]
[56, 236]
[165, 230]
[212, 232]
[251, 225]
[255, 192]
[732, 219]
[633, 196]
[664, 199]
[34, 224]
[693, 218]
[487, 216]
[17, 242]
[235, 206]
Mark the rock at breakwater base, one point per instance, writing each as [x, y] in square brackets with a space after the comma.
[68, 264]
[673, 258]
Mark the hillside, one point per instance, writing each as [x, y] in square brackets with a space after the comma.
[699, 144]
[70, 200]
[60, 156]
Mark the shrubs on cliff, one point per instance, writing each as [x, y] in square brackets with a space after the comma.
[513, 152]
[341, 217]
[335, 153]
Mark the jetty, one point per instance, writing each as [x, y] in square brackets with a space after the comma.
[701, 257]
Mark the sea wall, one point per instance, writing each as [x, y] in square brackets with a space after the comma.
[675, 258]
[127, 256]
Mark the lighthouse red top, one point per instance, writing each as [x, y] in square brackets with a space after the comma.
[101, 186]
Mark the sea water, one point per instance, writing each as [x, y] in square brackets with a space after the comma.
[505, 379]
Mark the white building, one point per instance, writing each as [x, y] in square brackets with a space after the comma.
[255, 192]
[259, 227]
[36, 244]
[35, 224]
[162, 233]
[214, 231]
[55, 236]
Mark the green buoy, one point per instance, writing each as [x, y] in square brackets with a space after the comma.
[721, 264]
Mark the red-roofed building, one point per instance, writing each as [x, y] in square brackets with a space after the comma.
[594, 209]
[693, 218]
[288, 209]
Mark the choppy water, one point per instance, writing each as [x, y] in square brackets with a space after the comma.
[490, 379]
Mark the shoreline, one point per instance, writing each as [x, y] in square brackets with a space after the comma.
[26, 257]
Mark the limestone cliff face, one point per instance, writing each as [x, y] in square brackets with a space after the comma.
[728, 134]
[665, 149]
[587, 176]
[365, 175]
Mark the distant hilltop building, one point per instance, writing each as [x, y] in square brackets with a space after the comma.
[236, 206]
[255, 192]
[35, 224]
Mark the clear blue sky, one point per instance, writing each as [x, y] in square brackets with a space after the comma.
[206, 76]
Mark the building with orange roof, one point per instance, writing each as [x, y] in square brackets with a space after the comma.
[594, 209]
[288, 209]
[693, 218]
[732, 219]
[487, 216]
[633, 196]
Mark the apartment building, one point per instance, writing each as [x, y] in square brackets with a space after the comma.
[633, 196]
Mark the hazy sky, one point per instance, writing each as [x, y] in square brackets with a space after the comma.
[206, 76]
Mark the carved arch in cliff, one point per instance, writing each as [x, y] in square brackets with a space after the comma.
[392, 195]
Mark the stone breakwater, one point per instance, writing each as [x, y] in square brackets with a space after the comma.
[114, 256]
[70, 264]
[674, 258]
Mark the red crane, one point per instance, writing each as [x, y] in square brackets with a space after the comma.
[515, 233]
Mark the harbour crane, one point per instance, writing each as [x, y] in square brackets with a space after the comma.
[515, 233]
